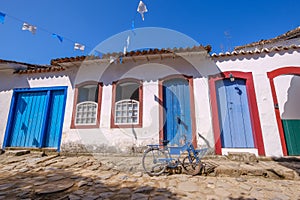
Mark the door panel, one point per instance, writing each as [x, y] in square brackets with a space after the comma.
[28, 118]
[55, 115]
[292, 136]
[177, 116]
[234, 114]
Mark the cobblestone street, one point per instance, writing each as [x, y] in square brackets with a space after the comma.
[32, 176]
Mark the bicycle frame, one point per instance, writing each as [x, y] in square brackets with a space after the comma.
[172, 151]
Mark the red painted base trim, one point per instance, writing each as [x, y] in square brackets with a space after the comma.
[255, 121]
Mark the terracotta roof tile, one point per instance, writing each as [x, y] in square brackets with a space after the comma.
[131, 54]
[286, 36]
[256, 51]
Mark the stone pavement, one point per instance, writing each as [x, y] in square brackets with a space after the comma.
[99, 176]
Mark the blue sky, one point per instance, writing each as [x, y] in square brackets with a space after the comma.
[221, 24]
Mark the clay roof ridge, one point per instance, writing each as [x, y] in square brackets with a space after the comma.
[286, 36]
[255, 51]
[141, 52]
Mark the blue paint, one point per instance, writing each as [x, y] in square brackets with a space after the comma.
[177, 116]
[36, 117]
[45, 122]
[234, 114]
[55, 115]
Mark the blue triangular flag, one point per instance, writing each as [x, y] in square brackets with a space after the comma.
[58, 37]
[2, 17]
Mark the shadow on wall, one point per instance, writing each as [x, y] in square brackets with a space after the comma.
[11, 81]
[291, 107]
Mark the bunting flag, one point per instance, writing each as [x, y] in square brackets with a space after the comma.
[29, 27]
[78, 46]
[125, 50]
[142, 9]
[2, 17]
[128, 41]
[112, 59]
[60, 38]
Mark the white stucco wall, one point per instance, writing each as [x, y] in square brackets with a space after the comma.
[199, 66]
[259, 65]
[123, 139]
[288, 96]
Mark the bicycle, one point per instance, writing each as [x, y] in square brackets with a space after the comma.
[157, 158]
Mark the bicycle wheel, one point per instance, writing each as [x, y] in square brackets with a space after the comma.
[191, 167]
[154, 161]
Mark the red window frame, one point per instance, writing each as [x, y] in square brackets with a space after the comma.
[100, 88]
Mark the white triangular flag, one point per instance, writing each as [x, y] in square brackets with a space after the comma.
[125, 50]
[29, 27]
[142, 9]
[112, 59]
[78, 46]
[127, 41]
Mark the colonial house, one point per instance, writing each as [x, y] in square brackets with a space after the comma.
[242, 101]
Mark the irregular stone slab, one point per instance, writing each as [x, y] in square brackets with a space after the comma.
[105, 175]
[139, 196]
[44, 159]
[245, 186]
[74, 197]
[23, 170]
[17, 152]
[53, 187]
[144, 189]
[56, 178]
[6, 186]
[124, 191]
[188, 187]
[82, 183]
[38, 183]
[106, 195]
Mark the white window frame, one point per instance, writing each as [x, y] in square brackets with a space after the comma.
[86, 114]
[125, 111]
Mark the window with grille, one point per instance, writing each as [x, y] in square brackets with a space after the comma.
[86, 113]
[87, 104]
[127, 112]
[127, 103]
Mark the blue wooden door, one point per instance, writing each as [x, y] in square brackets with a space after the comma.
[36, 118]
[55, 116]
[28, 119]
[177, 116]
[234, 114]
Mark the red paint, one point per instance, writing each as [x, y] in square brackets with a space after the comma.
[255, 121]
[100, 87]
[271, 76]
[112, 119]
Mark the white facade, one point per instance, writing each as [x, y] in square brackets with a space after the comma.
[151, 70]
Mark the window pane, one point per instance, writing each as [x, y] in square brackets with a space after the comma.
[125, 113]
[88, 93]
[86, 113]
[128, 90]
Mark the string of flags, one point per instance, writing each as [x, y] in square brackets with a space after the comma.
[141, 9]
[33, 29]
